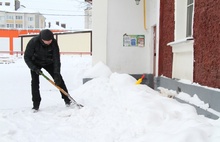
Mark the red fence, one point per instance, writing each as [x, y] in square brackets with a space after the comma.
[62, 53]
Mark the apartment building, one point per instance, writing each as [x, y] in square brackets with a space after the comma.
[14, 16]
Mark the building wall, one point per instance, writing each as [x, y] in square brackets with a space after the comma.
[75, 42]
[207, 43]
[99, 34]
[166, 36]
[129, 21]
[111, 20]
[205, 47]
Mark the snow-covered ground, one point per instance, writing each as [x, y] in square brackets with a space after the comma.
[115, 109]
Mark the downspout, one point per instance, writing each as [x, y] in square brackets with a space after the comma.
[145, 26]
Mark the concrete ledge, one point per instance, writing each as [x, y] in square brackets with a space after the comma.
[200, 111]
[148, 79]
[209, 96]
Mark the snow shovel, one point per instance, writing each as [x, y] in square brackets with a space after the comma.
[64, 92]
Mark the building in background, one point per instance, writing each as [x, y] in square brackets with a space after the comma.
[9, 4]
[14, 16]
[21, 20]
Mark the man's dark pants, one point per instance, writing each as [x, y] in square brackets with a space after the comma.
[36, 98]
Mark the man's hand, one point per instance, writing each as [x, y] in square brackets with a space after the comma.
[38, 71]
[57, 79]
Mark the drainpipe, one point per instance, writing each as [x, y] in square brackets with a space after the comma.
[145, 26]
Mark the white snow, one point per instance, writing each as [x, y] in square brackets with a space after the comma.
[98, 70]
[115, 109]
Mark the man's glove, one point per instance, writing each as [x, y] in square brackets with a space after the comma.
[38, 71]
[57, 79]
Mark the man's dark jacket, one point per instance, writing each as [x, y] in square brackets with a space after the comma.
[38, 54]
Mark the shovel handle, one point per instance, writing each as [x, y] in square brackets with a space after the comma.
[58, 87]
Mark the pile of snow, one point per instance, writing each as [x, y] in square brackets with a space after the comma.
[98, 70]
[194, 100]
[115, 110]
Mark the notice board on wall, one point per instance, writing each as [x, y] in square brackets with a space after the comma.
[133, 40]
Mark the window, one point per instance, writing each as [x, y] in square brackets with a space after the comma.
[7, 3]
[30, 26]
[30, 19]
[189, 20]
[183, 44]
[10, 17]
[18, 17]
[10, 25]
[19, 26]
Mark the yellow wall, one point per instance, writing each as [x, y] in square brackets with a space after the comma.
[79, 42]
[69, 42]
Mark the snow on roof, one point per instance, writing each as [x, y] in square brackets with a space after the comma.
[27, 10]
[21, 10]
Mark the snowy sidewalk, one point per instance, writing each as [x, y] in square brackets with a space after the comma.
[115, 110]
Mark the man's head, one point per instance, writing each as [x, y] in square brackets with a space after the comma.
[46, 36]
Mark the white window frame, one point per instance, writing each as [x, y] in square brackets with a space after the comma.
[10, 17]
[181, 22]
[190, 16]
[182, 46]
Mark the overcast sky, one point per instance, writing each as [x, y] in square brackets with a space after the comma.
[69, 12]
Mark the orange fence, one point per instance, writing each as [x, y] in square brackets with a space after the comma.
[14, 33]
